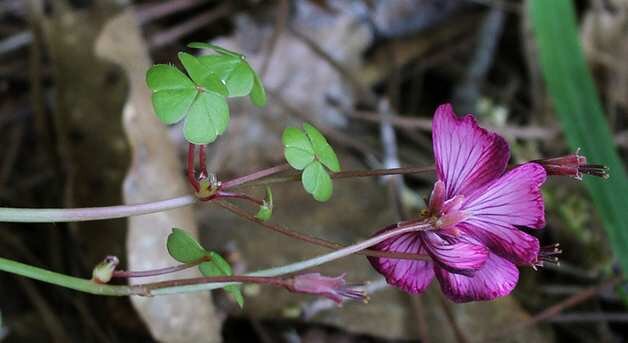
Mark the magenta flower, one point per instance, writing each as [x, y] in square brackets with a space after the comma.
[475, 209]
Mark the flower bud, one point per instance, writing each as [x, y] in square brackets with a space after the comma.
[333, 288]
[103, 271]
[574, 165]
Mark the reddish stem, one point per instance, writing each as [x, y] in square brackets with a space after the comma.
[347, 174]
[318, 241]
[222, 194]
[275, 281]
[202, 160]
[255, 176]
[161, 271]
[191, 171]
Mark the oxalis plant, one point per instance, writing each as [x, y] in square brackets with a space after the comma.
[468, 237]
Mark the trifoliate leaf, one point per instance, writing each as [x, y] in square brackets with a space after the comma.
[173, 92]
[183, 247]
[322, 149]
[218, 266]
[317, 182]
[266, 210]
[297, 148]
[208, 117]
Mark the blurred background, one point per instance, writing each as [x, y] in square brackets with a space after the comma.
[77, 130]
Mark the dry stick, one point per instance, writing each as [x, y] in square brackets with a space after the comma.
[583, 317]
[150, 12]
[310, 239]
[458, 332]
[363, 91]
[280, 25]
[168, 36]
[531, 132]
[331, 133]
[556, 309]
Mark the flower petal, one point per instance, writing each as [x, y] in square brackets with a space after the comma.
[467, 156]
[508, 242]
[456, 257]
[496, 279]
[513, 199]
[412, 276]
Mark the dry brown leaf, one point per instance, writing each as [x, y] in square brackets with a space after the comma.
[154, 174]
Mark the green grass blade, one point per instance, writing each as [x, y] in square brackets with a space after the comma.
[579, 110]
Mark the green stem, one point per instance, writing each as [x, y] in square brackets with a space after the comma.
[197, 284]
[299, 266]
[78, 284]
[52, 215]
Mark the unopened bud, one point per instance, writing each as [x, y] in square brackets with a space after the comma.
[574, 165]
[208, 187]
[334, 288]
[103, 271]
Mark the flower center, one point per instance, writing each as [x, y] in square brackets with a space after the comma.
[444, 215]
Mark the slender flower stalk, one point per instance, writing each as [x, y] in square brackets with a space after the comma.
[193, 284]
[255, 176]
[314, 240]
[160, 271]
[243, 196]
[57, 215]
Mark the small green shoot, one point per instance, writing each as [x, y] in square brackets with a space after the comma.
[266, 210]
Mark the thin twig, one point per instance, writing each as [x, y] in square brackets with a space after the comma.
[10, 157]
[528, 132]
[311, 239]
[280, 25]
[150, 12]
[556, 309]
[460, 335]
[364, 92]
[192, 24]
[586, 317]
